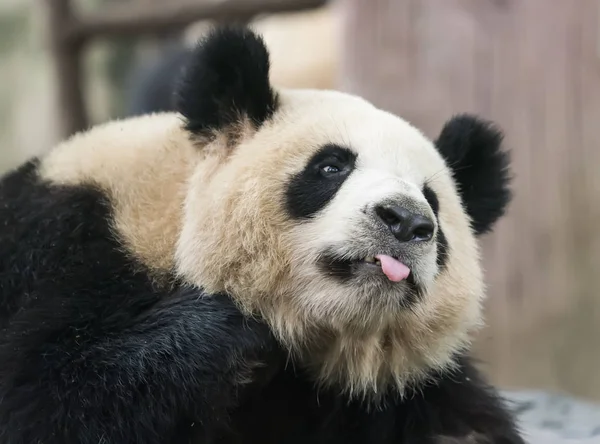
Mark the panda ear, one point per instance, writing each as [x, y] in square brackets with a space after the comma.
[472, 149]
[226, 83]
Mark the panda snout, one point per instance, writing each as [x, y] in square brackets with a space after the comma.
[405, 224]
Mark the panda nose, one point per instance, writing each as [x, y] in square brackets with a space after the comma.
[405, 225]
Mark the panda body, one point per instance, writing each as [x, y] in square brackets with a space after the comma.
[272, 266]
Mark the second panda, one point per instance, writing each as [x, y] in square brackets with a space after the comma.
[263, 266]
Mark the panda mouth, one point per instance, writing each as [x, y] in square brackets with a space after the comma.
[390, 266]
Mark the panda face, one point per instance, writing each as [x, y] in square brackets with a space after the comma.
[361, 212]
[344, 224]
[352, 233]
[357, 205]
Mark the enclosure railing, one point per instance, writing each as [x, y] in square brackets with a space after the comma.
[70, 33]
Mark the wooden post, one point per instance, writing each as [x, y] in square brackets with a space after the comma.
[533, 67]
[70, 33]
[66, 56]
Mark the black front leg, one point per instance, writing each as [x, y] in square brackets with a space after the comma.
[459, 408]
[454, 408]
[178, 367]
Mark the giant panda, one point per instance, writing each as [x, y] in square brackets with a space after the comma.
[261, 266]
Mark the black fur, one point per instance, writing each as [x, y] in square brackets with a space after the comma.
[312, 189]
[90, 349]
[473, 151]
[442, 243]
[226, 80]
[333, 266]
[292, 411]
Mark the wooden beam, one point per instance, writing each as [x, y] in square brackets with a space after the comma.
[69, 33]
[138, 18]
[66, 55]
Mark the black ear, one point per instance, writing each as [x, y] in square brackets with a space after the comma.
[225, 82]
[473, 151]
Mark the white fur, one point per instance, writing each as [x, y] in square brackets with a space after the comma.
[271, 267]
[215, 215]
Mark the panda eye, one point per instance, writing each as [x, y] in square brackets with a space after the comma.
[332, 163]
[332, 166]
[330, 169]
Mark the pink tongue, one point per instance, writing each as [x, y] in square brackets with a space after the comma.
[395, 270]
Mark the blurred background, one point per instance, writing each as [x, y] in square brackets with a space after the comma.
[531, 65]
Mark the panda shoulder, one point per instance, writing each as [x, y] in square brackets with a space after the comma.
[118, 150]
[133, 171]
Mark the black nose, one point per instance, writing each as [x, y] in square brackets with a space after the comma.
[405, 225]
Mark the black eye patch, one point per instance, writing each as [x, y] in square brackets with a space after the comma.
[313, 188]
[442, 242]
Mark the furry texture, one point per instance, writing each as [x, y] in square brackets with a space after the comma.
[372, 340]
[473, 148]
[452, 408]
[119, 245]
[91, 349]
[303, 46]
[226, 83]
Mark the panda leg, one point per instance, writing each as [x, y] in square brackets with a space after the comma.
[180, 365]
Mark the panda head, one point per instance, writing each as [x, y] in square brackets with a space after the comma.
[348, 230]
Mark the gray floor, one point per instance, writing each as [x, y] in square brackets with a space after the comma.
[547, 418]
